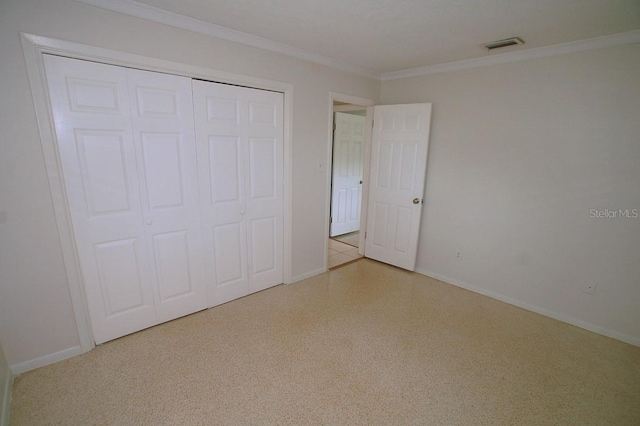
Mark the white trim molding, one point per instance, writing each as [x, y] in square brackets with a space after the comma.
[34, 47]
[309, 274]
[32, 364]
[5, 404]
[155, 14]
[533, 308]
[620, 39]
[366, 104]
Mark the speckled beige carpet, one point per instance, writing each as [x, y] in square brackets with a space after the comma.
[364, 344]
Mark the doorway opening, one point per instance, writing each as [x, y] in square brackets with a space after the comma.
[347, 174]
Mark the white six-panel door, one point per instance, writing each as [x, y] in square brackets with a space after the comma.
[127, 152]
[239, 134]
[162, 120]
[398, 167]
[346, 191]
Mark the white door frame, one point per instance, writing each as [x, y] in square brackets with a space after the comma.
[34, 47]
[368, 103]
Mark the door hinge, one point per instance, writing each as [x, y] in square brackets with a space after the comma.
[330, 220]
[365, 235]
[373, 122]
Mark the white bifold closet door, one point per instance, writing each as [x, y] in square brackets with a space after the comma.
[239, 137]
[128, 158]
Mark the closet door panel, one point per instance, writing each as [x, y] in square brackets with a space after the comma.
[228, 232]
[220, 144]
[264, 188]
[263, 162]
[263, 237]
[240, 133]
[119, 275]
[171, 252]
[163, 169]
[103, 167]
[225, 175]
[229, 253]
[91, 110]
[162, 119]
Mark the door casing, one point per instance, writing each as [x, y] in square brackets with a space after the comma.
[368, 104]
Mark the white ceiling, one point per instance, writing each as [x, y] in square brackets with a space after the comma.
[391, 35]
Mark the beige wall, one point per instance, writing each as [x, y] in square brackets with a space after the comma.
[36, 316]
[520, 153]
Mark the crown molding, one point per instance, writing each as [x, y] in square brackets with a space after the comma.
[151, 13]
[619, 39]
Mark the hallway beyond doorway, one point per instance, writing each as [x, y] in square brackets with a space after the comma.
[352, 238]
[341, 254]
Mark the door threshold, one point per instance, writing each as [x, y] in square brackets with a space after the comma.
[345, 263]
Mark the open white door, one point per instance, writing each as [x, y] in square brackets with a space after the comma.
[400, 140]
[346, 193]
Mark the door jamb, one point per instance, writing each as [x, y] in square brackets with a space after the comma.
[368, 104]
[34, 47]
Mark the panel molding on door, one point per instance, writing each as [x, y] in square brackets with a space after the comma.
[240, 133]
[400, 142]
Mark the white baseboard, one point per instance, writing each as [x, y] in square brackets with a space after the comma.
[45, 360]
[307, 275]
[533, 308]
[6, 400]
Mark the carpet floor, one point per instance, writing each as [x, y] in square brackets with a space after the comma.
[363, 344]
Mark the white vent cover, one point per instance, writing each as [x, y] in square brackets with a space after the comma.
[503, 43]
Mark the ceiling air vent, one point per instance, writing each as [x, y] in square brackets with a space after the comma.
[503, 43]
